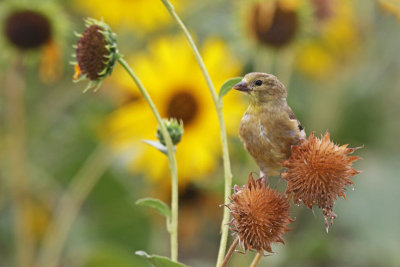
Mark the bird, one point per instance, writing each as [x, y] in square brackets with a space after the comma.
[268, 128]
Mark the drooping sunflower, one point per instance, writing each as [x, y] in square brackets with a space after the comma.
[36, 32]
[273, 23]
[334, 40]
[140, 15]
[318, 34]
[174, 81]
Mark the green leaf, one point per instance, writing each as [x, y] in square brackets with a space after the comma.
[157, 145]
[227, 86]
[156, 204]
[159, 261]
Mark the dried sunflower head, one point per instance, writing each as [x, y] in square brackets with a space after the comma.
[317, 173]
[96, 53]
[260, 215]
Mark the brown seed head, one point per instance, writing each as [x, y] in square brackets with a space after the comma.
[273, 25]
[27, 29]
[91, 52]
[260, 215]
[317, 173]
[96, 53]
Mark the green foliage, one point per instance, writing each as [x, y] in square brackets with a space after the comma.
[113, 255]
[157, 145]
[227, 86]
[159, 261]
[156, 204]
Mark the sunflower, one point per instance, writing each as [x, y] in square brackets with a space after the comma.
[36, 32]
[174, 81]
[141, 15]
[335, 38]
[273, 23]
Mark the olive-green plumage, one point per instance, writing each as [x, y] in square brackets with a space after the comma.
[269, 127]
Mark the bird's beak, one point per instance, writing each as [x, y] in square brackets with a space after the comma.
[242, 86]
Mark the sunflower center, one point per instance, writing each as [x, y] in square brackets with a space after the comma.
[282, 26]
[27, 29]
[183, 106]
[91, 51]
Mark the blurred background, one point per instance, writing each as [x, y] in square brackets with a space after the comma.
[72, 165]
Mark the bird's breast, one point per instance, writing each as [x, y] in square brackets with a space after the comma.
[268, 141]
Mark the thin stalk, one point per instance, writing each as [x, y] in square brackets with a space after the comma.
[230, 252]
[224, 138]
[284, 65]
[69, 206]
[256, 260]
[173, 224]
[15, 118]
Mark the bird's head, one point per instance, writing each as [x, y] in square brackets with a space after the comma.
[262, 87]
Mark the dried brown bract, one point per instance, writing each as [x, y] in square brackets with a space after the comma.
[317, 173]
[260, 215]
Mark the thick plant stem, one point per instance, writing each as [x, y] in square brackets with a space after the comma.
[230, 252]
[224, 138]
[173, 224]
[256, 260]
[69, 206]
[17, 173]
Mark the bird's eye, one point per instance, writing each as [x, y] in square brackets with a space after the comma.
[258, 82]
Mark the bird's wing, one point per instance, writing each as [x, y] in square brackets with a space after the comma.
[292, 116]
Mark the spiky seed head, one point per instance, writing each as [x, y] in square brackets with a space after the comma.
[175, 130]
[260, 215]
[317, 173]
[96, 53]
[27, 29]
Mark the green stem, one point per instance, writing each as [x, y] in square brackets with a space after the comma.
[284, 65]
[173, 225]
[224, 139]
[256, 260]
[69, 206]
[15, 144]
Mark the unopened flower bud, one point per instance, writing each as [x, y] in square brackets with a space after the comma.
[175, 130]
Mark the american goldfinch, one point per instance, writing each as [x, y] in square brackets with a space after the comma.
[269, 127]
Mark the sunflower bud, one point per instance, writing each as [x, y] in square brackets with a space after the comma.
[175, 130]
[317, 173]
[260, 215]
[96, 53]
[27, 29]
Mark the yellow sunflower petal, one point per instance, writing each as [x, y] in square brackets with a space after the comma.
[337, 39]
[141, 15]
[175, 82]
